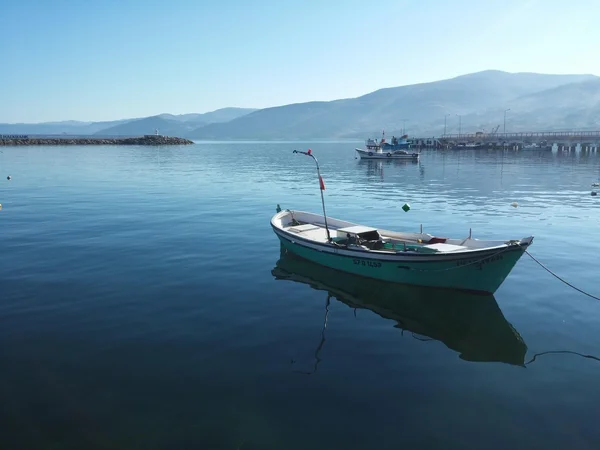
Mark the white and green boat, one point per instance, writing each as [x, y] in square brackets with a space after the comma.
[403, 257]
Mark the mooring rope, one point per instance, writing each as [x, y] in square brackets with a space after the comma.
[561, 279]
[555, 352]
[510, 247]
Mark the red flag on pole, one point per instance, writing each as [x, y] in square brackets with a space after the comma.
[321, 183]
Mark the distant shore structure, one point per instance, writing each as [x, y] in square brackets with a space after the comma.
[153, 135]
[565, 140]
[149, 139]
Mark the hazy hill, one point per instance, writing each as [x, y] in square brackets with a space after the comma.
[177, 125]
[568, 107]
[536, 101]
[72, 127]
[225, 114]
[575, 105]
[424, 105]
[174, 125]
[147, 125]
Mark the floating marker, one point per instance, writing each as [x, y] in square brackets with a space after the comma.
[8, 178]
[514, 204]
[406, 207]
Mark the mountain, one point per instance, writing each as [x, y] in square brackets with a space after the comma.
[219, 115]
[147, 125]
[225, 114]
[480, 98]
[537, 102]
[571, 106]
[169, 124]
[71, 127]
[173, 125]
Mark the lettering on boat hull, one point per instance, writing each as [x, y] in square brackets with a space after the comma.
[366, 263]
[479, 263]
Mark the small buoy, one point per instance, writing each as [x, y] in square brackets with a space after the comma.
[8, 178]
[594, 193]
[406, 207]
[514, 204]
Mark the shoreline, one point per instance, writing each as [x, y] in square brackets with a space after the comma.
[141, 140]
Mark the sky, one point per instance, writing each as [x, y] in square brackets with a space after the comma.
[113, 59]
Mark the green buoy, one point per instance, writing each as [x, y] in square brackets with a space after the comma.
[406, 207]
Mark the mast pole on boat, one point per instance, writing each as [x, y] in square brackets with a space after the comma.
[321, 188]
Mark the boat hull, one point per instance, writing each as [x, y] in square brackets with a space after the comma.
[391, 154]
[481, 272]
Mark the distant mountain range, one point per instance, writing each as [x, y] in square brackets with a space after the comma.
[537, 102]
[168, 124]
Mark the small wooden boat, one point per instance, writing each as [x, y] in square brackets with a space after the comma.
[403, 257]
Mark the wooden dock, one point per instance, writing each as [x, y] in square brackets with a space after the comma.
[533, 139]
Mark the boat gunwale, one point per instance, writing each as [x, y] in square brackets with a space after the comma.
[395, 256]
[398, 257]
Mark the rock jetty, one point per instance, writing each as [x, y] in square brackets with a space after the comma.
[142, 140]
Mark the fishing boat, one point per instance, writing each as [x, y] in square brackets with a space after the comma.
[471, 325]
[403, 257]
[381, 149]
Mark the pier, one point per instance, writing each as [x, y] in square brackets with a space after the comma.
[588, 140]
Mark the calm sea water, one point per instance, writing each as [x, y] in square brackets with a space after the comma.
[145, 303]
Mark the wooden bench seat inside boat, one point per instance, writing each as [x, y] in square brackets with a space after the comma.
[311, 231]
[304, 227]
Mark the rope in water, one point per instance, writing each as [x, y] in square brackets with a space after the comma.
[561, 279]
[556, 352]
[502, 251]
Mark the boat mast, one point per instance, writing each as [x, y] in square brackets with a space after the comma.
[321, 188]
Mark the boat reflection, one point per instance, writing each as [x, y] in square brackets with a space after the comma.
[470, 324]
[378, 165]
[376, 168]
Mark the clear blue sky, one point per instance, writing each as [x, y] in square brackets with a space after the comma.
[110, 59]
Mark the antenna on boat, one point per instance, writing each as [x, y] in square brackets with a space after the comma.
[321, 186]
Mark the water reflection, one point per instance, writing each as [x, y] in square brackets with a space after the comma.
[471, 325]
[379, 168]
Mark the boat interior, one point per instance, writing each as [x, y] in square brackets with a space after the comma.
[345, 234]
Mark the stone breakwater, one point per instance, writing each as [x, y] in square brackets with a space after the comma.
[142, 140]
